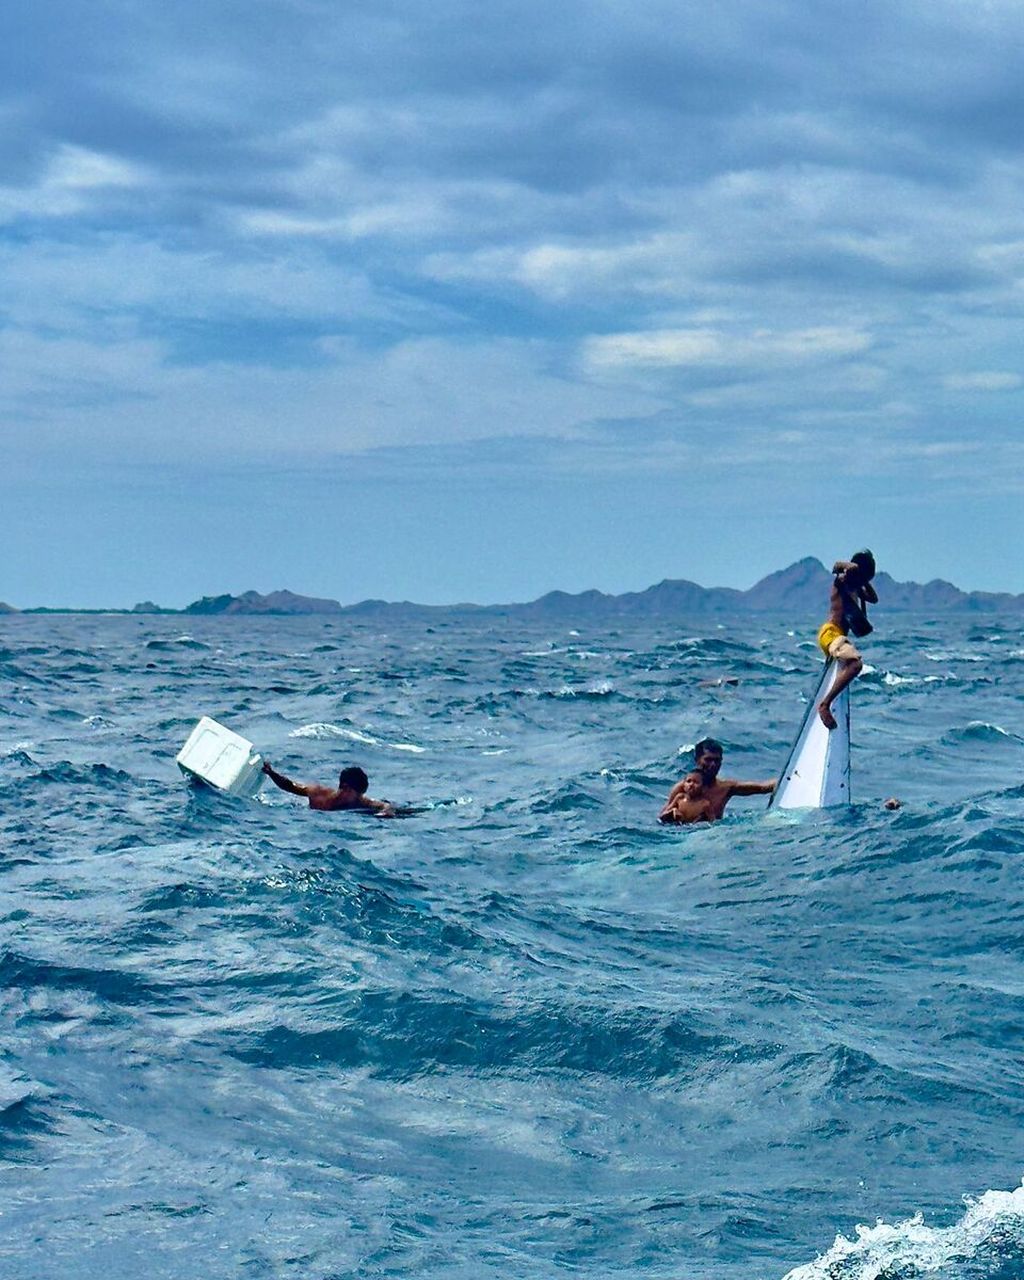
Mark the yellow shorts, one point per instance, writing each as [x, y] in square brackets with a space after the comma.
[836, 644]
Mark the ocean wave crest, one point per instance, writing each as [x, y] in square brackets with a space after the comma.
[993, 1226]
[980, 731]
[178, 642]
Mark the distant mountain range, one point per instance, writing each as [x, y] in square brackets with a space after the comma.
[802, 589]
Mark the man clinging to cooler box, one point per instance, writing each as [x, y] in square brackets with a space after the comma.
[350, 792]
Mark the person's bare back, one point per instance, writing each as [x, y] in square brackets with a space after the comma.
[350, 792]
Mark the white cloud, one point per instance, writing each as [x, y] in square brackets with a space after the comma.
[990, 380]
[73, 179]
[395, 218]
[679, 348]
[661, 267]
[128, 396]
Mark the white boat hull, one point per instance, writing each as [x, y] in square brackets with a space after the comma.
[817, 772]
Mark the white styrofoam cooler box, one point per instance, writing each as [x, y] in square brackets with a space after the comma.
[222, 759]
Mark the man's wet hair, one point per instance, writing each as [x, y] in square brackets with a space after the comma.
[707, 744]
[355, 778]
[865, 562]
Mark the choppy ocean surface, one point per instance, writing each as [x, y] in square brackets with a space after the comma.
[527, 1033]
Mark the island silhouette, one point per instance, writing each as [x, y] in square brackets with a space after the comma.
[800, 589]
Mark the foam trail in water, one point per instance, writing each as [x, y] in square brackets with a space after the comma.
[993, 1223]
[322, 729]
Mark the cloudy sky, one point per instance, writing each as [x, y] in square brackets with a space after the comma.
[469, 301]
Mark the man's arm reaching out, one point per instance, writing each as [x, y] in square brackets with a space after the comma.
[382, 808]
[286, 784]
[752, 788]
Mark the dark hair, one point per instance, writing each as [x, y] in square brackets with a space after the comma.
[707, 744]
[865, 562]
[355, 778]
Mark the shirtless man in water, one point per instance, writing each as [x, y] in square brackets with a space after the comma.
[715, 792]
[852, 592]
[350, 792]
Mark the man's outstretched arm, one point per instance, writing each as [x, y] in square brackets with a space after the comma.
[752, 788]
[286, 784]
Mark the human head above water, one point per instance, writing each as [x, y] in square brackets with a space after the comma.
[707, 756]
[692, 786]
[865, 563]
[355, 778]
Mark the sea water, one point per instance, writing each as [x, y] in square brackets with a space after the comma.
[527, 1032]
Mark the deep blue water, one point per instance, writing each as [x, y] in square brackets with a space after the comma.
[528, 1033]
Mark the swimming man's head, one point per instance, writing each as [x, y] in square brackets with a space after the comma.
[353, 779]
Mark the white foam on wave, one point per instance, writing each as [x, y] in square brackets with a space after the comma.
[910, 1248]
[324, 729]
[975, 725]
[954, 655]
[893, 680]
[601, 690]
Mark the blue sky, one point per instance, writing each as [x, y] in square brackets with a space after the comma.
[469, 301]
